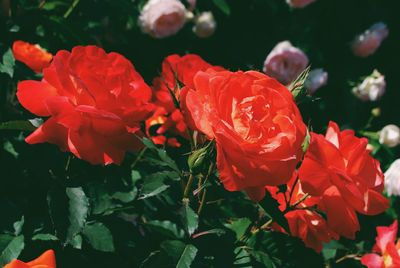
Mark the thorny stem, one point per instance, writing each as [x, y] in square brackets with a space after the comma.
[138, 157]
[71, 8]
[300, 200]
[266, 225]
[187, 188]
[203, 197]
[291, 191]
[350, 256]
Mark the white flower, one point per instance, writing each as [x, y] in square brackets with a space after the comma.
[204, 25]
[372, 88]
[316, 79]
[392, 179]
[285, 62]
[390, 135]
[162, 18]
[368, 42]
[299, 3]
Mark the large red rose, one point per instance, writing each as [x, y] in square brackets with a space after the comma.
[32, 55]
[95, 102]
[339, 169]
[255, 122]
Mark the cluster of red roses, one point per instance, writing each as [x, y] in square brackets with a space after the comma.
[96, 103]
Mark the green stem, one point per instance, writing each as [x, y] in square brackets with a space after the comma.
[188, 187]
[138, 157]
[71, 8]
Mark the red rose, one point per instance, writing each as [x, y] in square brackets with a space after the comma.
[46, 260]
[304, 222]
[256, 124]
[95, 102]
[32, 55]
[339, 169]
[176, 71]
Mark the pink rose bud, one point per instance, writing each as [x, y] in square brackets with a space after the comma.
[317, 78]
[205, 25]
[368, 42]
[162, 18]
[285, 62]
[299, 3]
[372, 88]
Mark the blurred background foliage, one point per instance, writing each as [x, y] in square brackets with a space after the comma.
[42, 188]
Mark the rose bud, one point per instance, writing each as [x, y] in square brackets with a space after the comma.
[316, 78]
[368, 42]
[299, 3]
[390, 136]
[372, 88]
[162, 18]
[285, 62]
[205, 25]
[31, 55]
[392, 179]
[46, 260]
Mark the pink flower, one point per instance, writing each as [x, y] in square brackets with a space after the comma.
[285, 62]
[316, 79]
[368, 42]
[299, 3]
[387, 251]
[162, 18]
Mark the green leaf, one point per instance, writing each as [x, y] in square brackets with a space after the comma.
[12, 250]
[306, 142]
[7, 66]
[162, 154]
[99, 237]
[18, 226]
[187, 257]
[166, 228]
[152, 186]
[271, 207]
[78, 211]
[44, 237]
[223, 6]
[125, 197]
[9, 147]
[190, 219]
[17, 125]
[239, 226]
[76, 241]
[263, 258]
[173, 248]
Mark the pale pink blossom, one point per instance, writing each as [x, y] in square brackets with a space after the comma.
[299, 3]
[392, 179]
[372, 88]
[316, 78]
[390, 135]
[162, 18]
[205, 25]
[285, 62]
[368, 42]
